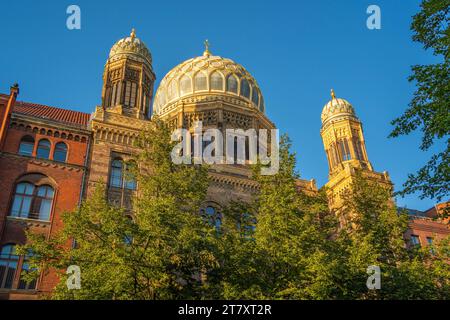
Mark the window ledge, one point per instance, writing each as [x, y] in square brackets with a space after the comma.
[28, 220]
[4, 290]
[48, 161]
[113, 188]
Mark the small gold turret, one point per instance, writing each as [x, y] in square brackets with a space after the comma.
[345, 149]
[128, 78]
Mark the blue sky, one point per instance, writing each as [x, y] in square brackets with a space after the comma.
[296, 50]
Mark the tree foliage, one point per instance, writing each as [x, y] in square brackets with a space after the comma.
[285, 244]
[159, 253]
[429, 109]
[375, 237]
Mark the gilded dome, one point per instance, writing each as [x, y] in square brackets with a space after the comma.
[337, 107]
[208, 75]
[131, 46]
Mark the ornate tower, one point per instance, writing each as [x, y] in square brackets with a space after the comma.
[343, 140]
[128, 81]
[128, 78]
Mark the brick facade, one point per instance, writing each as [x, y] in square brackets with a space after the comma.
[66, 178]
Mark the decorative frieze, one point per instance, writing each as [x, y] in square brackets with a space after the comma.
[32, 128]
[237, 120]
[206, 117]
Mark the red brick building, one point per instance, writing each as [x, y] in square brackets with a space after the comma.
[43, 162]
[429, 226]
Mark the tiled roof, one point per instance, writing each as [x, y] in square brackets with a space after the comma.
[77, 118]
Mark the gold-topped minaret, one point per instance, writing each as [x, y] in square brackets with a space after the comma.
[345, 148]
[128, 78]
[127, 92]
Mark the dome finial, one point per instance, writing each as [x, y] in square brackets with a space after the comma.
[333, 96]
[132, 34]
[206, 52]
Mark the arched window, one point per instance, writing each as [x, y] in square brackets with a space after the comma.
[24, 285]
[116, 173]
[357, 145]
[330, 163]
[162, 97]
[200, 82]
[127, 93]
[134, 94]
[116, 93]
[60, 153]
[130, 179]
[172, 91]
[43, 149]
[345, 150]
[216, 82]
[118, 178]
[8, 265]
[245, 88]
[32, 202]
[43, 203]
[130, 93]
[255, 96]
[212, 216]
[26, 146]
[261, 105]
[247, 225]
[23, 197]
[232, 84]
[185, 85]
[334, 156]
[113, 94]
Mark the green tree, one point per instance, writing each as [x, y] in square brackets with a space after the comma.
[299, 251]
[284, 245]
[374, 236]
[160, 253]
[238, 274]
[430, 106]
[285, 256]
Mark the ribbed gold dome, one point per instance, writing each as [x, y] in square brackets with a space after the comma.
[131, 46]
[336, 108]
[207, 75]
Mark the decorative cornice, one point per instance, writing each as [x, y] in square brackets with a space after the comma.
[46, 163]
[59, 132]
[26, 222]
[57, 125]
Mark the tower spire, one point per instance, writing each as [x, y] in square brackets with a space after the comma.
[206, 52]
[133, 34]
[333, 96]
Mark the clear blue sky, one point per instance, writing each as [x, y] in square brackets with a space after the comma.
[297, 51]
